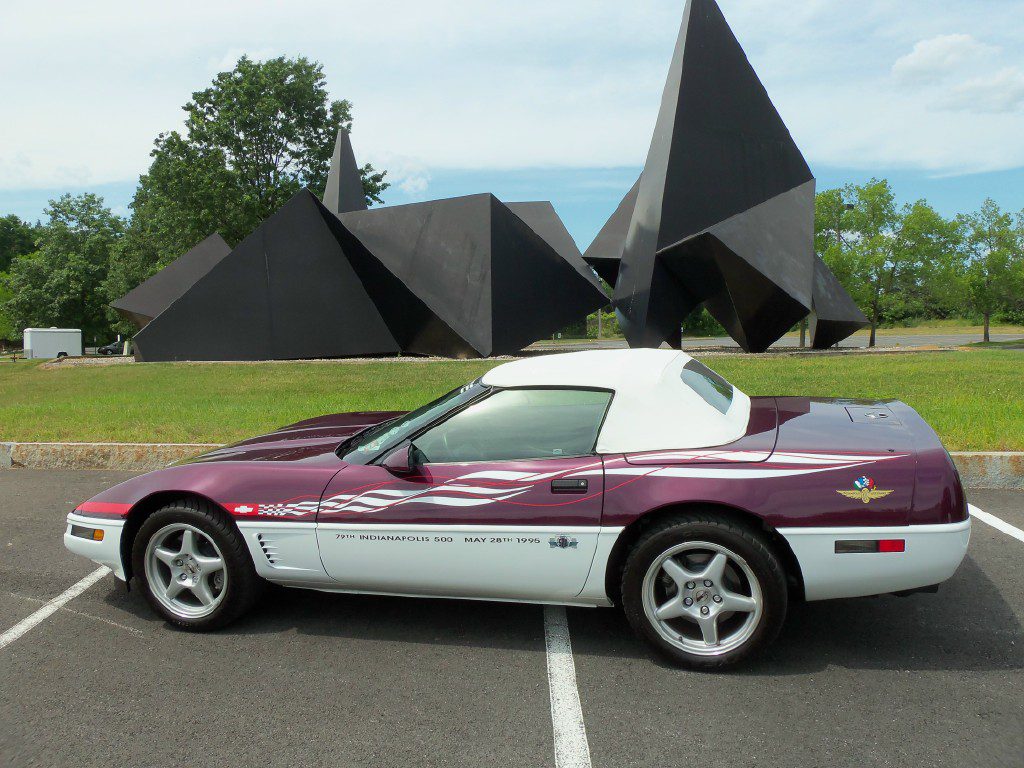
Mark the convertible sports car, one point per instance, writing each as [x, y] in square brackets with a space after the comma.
[632, 477]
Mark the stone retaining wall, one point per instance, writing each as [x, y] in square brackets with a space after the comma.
[127, 457]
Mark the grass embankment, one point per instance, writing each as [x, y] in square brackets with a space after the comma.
[974, 399]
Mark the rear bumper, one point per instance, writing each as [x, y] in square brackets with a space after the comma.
[932, 555]
[106, 552]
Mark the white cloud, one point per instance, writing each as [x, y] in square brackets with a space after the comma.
[534, 83]
[958, 73]
[1000, 92]
[227, 61]
[415, 186]
[403, 172]
[939, 57]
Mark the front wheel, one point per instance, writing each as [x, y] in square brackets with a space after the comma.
[194, 566]
[704, 592]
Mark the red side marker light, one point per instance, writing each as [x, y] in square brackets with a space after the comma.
[892, 545]
[870, 546]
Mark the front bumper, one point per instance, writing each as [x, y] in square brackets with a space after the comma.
[932, 555]
[106, 552]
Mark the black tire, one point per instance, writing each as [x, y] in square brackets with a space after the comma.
[61, 354]
[106, 351]
[752, 549]
[242, 587]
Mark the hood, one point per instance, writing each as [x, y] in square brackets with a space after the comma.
[302, 441]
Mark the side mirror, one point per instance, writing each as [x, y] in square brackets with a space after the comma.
[400, 461]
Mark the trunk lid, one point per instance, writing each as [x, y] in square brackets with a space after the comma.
[860, 456]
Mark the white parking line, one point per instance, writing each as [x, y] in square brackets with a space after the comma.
[51, 607]
[83, 614]
[995, 522]
[571, 747]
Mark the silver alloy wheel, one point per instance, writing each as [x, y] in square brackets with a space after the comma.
[702, 598]
[185, 571]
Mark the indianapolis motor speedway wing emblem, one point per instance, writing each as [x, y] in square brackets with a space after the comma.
[865, 490]
[562, 542]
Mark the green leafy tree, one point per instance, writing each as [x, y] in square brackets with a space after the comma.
[17, 238]
[254, 138]
[993, 265]
[888, 258]
[8, 331]
[61, 283]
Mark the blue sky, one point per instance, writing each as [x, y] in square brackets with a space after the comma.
[529, 100]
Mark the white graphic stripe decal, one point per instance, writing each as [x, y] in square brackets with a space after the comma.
[509, 484]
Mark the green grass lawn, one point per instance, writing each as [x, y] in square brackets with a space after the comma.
[974, 399]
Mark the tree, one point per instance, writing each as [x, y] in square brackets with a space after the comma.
[254, 138]
[993, 266]
[886, 257]
[17, 238]
[8, 331]
[61, 283]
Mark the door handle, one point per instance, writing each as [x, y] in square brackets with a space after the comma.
[569, 485]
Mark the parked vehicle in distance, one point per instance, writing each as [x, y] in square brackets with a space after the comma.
[113, 348]
[49, 343]
[637, 478]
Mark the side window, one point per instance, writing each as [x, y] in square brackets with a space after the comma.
[519, 424]
[713, 389]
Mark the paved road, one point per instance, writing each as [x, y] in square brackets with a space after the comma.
[857, 340]
[314, 679]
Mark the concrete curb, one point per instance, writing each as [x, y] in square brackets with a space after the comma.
[1003, 470]
[978, 469]
[127, 457]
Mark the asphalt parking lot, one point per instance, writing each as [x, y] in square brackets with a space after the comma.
[316, 679]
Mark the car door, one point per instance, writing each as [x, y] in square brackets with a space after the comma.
[503, 500]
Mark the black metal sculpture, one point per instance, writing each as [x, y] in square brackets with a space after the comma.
[834, 314]
[143, 303]
[491, 282]
[344, 190]
[288, 291]
[722, 215]
[605, 253]
[463, 277]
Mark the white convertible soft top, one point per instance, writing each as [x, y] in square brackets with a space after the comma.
[653, 408]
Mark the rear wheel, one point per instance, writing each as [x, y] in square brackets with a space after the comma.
[704, 592]
[194, 566]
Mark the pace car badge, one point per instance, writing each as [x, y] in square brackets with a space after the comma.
[562, 542]
[865, 490]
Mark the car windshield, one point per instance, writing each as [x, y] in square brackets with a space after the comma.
[383, 437]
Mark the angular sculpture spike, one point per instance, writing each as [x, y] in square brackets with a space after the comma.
[479, 270]
[288, 291]
[724, 207]
[144, 302]
[605, 253]
[835, 316]
[542, 218]
[344, 190]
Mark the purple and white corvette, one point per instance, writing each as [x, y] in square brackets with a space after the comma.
[637, 478]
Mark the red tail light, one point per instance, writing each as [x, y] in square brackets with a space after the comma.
[851, 546]
[892, 545]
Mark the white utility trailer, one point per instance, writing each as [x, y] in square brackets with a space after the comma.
[53, 342]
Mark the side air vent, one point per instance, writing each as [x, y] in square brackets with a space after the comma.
[268, 547]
